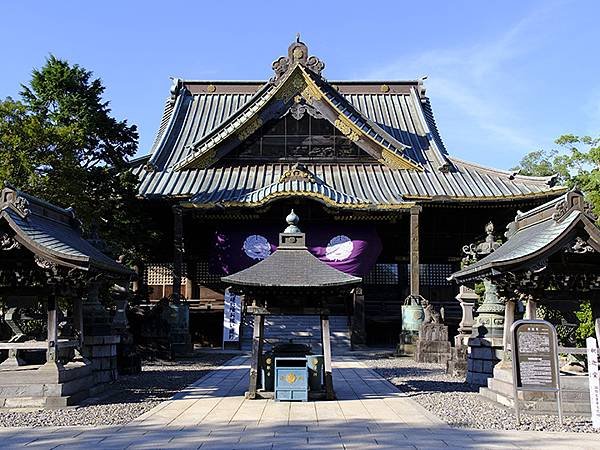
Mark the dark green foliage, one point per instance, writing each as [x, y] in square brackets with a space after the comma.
[586, 324]
[565, 323]
[576, 162]
[59, 142]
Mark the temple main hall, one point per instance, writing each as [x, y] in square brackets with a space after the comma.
[363, 165]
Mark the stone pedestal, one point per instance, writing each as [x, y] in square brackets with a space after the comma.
[46, 386]
[457, 364]
[467, 299]
[483, 355]
[433, 345]
[102, 352]
[129, 361]
[407, 343]
[180, 341]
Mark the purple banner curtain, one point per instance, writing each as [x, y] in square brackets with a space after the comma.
[352, 249]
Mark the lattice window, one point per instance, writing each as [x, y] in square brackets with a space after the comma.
[159, 274]
[433, 274]
[204, 274]
[382, 274]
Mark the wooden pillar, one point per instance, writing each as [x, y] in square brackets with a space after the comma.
[177, 251]
[358, 319]
[329, 392]
[51, 354]
[509, 318]
[188, 291]
[414, 250]
[531, 310]
[78, 318]
[257, 345]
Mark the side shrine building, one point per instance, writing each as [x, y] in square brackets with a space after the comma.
[361, 162]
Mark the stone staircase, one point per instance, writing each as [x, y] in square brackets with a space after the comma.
[302, 330]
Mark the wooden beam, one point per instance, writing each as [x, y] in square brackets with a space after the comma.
[279, 311]
[78, 318]
[509, 318]
[531, 310]
[358, 319]
[51, 355]
[177, 251]
[329, 392]
[257, 344]
[414, 250]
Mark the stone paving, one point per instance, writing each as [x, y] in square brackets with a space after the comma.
[213, 414]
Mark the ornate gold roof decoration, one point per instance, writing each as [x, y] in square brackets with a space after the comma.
[297, 54]
[347, 128]
[250, 128]
[298, 172]
[394, 160]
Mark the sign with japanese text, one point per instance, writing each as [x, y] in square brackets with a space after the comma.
[534, 353]
[594, 375]
[232, 317]
[535, 360]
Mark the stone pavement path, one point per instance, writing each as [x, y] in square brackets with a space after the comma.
[213, 414]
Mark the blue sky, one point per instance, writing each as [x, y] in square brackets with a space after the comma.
[504, 77]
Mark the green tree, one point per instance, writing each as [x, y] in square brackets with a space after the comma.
[576, 162]
[60, 142]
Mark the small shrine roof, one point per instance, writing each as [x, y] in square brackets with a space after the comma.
[535, 235]
[52, 233]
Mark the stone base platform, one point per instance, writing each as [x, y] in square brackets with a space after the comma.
[433, 345]
[45, 386]
[575, 393]
[483, 355]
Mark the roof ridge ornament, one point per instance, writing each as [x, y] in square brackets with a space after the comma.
[292, 220]
[298, 172]
[297, 54]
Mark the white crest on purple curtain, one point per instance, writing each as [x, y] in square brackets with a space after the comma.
[257, 246]
[339, 248]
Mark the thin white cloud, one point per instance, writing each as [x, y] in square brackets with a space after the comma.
[473, 81]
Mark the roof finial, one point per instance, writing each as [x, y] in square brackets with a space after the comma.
[298, 37]
[292, 220]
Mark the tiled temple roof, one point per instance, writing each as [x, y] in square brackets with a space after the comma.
[203, 117]
[535, 235]
[53, 233]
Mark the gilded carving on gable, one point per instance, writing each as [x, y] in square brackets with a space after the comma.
[346, 128]
[250, 128]
[292, 87]
[206, 159]
[393, 160]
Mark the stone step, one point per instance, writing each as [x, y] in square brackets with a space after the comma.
[302, 330]
[539, 406]
[567, 382]
[568, 395]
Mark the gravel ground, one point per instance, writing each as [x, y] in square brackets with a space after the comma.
[458, 404]
[126, 399]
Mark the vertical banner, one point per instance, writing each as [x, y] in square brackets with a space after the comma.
[232, 317]
[592, 357]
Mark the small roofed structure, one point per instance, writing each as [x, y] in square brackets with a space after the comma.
[290, 281]
[551, 257]
[44, 258]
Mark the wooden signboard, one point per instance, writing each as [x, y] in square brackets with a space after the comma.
[594, 374]
[535, 360]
